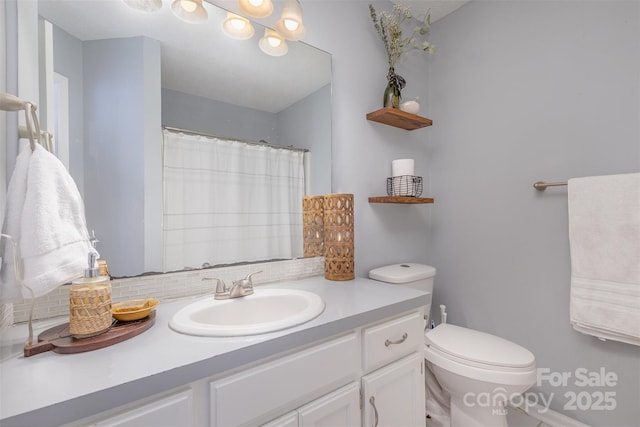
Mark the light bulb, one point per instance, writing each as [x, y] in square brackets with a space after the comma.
[237, 27]
[238, 24]
[188, 5]
[256, 8]
[189, 10]
[274, 41]
[291, 24]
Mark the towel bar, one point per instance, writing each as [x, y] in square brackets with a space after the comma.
[541, 185]
[10, 102]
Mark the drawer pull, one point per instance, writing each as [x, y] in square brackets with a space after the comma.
[387, 343]
[372, 400]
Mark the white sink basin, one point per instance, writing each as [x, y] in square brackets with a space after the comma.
[267, 310]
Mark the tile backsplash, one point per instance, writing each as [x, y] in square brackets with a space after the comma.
[166, 286]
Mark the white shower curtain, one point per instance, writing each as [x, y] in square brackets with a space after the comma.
[227, 201]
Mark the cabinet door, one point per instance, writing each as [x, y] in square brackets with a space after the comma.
[339, 408]
[394, 395]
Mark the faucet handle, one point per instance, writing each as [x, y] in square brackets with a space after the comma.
[246, 283]
[248, 278]
[221, 287]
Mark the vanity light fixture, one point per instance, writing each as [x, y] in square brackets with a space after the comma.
[237, 27]
[189, 10]
[273, 43]
[144, 5]
[256, 8]
[290, 24]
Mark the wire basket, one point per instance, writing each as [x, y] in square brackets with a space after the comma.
[404, 185]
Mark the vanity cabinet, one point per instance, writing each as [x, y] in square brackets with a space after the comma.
[372, 373]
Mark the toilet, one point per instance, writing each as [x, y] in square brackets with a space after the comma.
[481, 372]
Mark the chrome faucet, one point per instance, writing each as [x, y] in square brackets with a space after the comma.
[240, 288]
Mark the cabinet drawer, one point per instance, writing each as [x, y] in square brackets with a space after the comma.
[283, 384]
[176, 409]
[391, 340]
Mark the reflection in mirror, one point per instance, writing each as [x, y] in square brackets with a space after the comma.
[250, 211]
[117, 76]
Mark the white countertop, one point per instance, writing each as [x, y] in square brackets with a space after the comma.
[56, 387]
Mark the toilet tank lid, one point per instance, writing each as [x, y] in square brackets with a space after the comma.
[402, 273]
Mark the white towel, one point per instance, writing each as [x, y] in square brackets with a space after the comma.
[53, 237]
[604, 235]
[16, 191]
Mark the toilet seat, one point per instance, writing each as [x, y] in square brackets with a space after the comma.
[479, 355]
[478, 348]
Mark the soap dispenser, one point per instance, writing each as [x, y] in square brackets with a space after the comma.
[90, 302]
[103, 269]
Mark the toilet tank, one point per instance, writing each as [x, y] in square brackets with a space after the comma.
[411, 275]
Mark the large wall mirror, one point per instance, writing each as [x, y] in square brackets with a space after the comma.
[116, 76]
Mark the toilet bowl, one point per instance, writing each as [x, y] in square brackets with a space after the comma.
[480, 372]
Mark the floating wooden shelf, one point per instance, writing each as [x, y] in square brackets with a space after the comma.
[400, 119]
[401, 199]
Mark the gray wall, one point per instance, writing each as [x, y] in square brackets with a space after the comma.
[136, 137]
[520, 92]
[67, 61]
[307, 124]
[218, 118]
[122, 121]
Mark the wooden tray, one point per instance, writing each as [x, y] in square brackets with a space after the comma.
[59, 339]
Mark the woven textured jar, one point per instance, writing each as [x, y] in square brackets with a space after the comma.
[90, 308]
[338, 237]
[313, 226]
